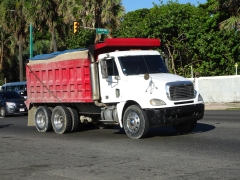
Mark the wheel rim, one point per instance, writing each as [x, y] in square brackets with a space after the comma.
[58, 120]
[133, 122]
[41, 120]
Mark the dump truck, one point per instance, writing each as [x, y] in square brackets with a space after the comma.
[121, 81]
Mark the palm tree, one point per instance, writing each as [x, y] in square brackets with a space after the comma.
[4, 46]
[108, 14]
[8, 44]
[41, 13]
[232, 7]
[93, 13]
[16, 25]
[81, 11]
[111, 13]
[49, 14]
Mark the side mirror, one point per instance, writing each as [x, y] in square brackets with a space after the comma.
[104, 70]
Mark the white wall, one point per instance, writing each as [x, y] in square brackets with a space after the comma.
[219, 88]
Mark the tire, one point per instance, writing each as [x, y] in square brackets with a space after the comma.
[135, 122]
[3, 112]
[185, 127]
[43, 119]
[75, 119]
[61, 120]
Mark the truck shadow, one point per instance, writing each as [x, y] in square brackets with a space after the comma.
[5, 126]
[201, 127]
[169, 130]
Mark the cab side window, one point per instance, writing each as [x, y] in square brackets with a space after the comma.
[112, 68]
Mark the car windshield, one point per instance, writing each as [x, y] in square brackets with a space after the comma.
[141, 64]
[10, 95]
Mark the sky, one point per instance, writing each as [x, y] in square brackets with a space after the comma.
[132, 5]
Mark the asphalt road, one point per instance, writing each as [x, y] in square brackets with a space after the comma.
[212, 151]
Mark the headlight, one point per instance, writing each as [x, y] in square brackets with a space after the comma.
[200, 97]
[195, 93]
[157, 102]
[10, 104]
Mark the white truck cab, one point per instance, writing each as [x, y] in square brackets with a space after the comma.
[140, 77]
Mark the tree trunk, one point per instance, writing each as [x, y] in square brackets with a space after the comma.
[54, 43]
[20, 58]
[171, 56]
[1, 52]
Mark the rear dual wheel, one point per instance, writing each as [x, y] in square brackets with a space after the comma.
[64, 119]
[43, 119]
[61, 120]
[74, 118]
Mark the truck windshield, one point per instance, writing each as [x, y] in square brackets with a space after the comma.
[141, 64]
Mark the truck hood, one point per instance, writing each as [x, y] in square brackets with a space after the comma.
[166, 77]
[154, 86]
[160, 79]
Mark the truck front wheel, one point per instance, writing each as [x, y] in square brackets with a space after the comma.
[185, 127]
[43, 119]
[135, 122]
[61, 120]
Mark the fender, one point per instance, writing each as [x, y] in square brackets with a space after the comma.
[120, 107]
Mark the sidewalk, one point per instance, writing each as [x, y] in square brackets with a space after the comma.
[222, 106]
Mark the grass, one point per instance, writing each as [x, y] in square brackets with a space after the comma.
[233, 109]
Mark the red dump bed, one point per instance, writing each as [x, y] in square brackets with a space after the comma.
[66, 77]
[59, 80]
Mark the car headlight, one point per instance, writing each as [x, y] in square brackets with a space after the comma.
[10, 104]
[200, 97]
[157, 102]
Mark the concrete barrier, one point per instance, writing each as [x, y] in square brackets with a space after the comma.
[219, 89]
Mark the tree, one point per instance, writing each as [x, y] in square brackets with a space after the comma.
[82, 39]
[134, 25]
[49, 16]
[93, 13]
[231, 9]
[14, 11]
[47, 13]
[190, 37]
[173, 23]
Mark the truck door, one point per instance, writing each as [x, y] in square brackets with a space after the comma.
[110, 87]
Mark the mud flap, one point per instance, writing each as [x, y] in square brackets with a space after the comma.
[31, 116]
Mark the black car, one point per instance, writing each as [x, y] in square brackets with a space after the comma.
[11, 103]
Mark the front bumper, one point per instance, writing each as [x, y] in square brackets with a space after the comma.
[173, 115]
[16, 110]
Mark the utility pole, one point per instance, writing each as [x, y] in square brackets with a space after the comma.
[20, 57]
[30, 41]
[236, 66]
[20, 49]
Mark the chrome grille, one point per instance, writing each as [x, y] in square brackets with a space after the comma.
[181, 90]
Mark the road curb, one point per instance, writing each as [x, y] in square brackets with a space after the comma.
[222, 106]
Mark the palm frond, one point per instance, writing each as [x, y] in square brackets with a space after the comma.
[231, 23]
